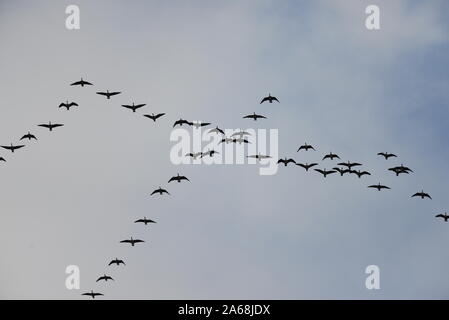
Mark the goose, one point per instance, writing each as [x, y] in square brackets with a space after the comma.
[178, 178]
[286, 161]
[132, 241]
[387, 155]
[133, 106]
[331, 156]
[306, 147]
[104, 278]
[81, 83]
[12, 148]
[378, 186]
[144, 221]
[50, 126]
[181, 122]
[117, 262]
[153, 116]
[445, 216]
[306, 165]
[68, 105]
[92, 294]
[108, 94]
[259, 157]
[270, 99]
[422, 194]
[160, 191]
[325, 172]
[29, 136]
[254, 116]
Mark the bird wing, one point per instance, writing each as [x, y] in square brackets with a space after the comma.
[291, 160]
[439, 216]
[138, 241]
[140, 220]
[73, 104]
[275, 99]
[205, 124]
[140, 105]
[159, 115]
[7, 147]
[260, 116]
[62, 105]
[102, 93]
[326, 156]
[319, 170]
[126, 241]
[76, 83]
[264, 99]
[114, 93]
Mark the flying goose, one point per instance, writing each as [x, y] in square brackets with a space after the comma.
[68, 105]
[29, 136]
[349, 165]
[342, 171]
[160, 191]
[132, 241]
[117, 262]
[306, 147]
[133, 106]
[330, 156]
[12, 148]
[387, 155]
[178, 178]
[445, 216]
[254, 116]
[270, 99]
[378, 186]
[194, 155]
[286, 161]
[259, 156]
[153, 116]
[306, 165]
[181, 122]
[108, 94]
[144, 221]
[325, 172]
[216, 130]
[92, 294]
[104, 278]
[422, 194]
[50, 126]
[81, 83]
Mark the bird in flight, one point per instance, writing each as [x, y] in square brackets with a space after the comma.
[144, 221]
[400, 169]
[254, 116]
[216, 130]
[241, 134]
[199, 124]
[445, 216]
[178, 178]
[325, 172]
[240, 140]
[132, 241]
[331, 156]
[153, 116]
[286, 161]
[12, 148]
[341, 171]
[68, 105]
[306, 165]
[50, 125]
[422, 195]
[259, 157]
[81, 83]
[387, 155]
[181, 122]
[349, 165]
[194, 155]
[104, 278]
[209, 153]
[360, 173]
[29, 136]
[133, 106]
[92, 294]
[378, 186]
[108, 94]
[270, 99]
[117, 262]
[160, 191]
[306, 147]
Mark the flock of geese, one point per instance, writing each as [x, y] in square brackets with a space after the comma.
[342, 168]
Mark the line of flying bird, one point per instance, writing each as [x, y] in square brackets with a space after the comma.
[238, 137]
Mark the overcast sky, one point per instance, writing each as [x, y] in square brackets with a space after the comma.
[70, 197]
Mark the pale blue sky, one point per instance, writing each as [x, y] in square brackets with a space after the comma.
[231, 233]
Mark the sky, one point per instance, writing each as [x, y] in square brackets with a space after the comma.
[231, 233]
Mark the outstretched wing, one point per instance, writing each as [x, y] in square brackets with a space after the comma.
[102, 93]
[114, 93]
[264, 99]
